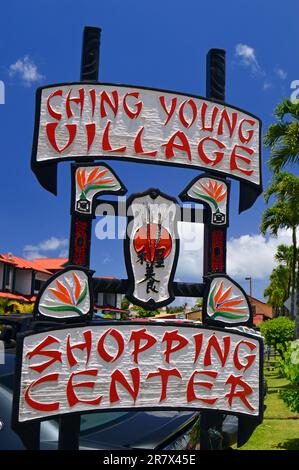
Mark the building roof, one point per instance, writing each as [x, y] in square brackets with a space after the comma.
[43, 265]
[9, 295]
[105, 277]
[51, 264]
[23, 263]
[112, 309]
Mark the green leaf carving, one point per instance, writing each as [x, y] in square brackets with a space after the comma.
[62, 308]
[83, 294]
[207, 198]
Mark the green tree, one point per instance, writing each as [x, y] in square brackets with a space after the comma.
[284, 213]
[176, 309]
[125, 303]
[145, 313]
[278, 332]
[284, 256]
[198, 304]
[3, 304]
[277, 291]
[282, 137]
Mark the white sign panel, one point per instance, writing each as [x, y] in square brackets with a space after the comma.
[153, 245]
[146, 125]
[122, 366]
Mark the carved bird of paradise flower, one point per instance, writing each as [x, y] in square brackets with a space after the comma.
[214, 192]
[93, 181]
[225, 305]
[70, 298]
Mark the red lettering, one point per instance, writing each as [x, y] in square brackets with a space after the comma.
[191, 396]
[50, 130]
[105, 98]
[120, 345]
[183, 145]
[106, 142]
[249, 358]
[138, 145]
[235, 156]
[245, 139]
[85, 345]
[51, 111]
[241, 394]
[78, 100]
[194, 113]
[54, 406]
[204, 108]
[214, 343]
[39, 351]
[118, 377]
[171, 337]
[91, 132]
[137, 337]
[230, 122]
[172, 108]
[204, 156]
[132, 114]
[164, 374]
[92, 94]
[70, 392]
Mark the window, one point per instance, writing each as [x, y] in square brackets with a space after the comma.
[7, 277]
[38, 285]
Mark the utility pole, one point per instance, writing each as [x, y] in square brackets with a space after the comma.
[250, 285]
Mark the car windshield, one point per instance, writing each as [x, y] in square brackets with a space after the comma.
[90, 422]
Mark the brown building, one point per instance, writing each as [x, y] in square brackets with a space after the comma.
[261, 310]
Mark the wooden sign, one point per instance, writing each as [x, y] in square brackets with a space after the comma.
[213, 193]
[225, 303]
[91, 120]
[151, 248]
[81, 365]
[66, 296]
[90, 181]
[121, 366]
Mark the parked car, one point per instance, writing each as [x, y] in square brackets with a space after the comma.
[167, 430]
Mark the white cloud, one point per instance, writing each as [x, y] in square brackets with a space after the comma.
[267, 85]
[282, 74]
[253, 255]
[41, 250]
[247, 255]
[26, 70]
[246, 55]
[190, 261]
[63, 254]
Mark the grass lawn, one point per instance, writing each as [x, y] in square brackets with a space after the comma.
[280, 428]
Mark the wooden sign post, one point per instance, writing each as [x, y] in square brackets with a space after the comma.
[214, 368]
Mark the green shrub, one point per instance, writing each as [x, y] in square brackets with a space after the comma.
[291, 398]
[278, 332]
[289, 364]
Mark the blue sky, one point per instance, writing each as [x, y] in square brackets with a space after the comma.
[159, 44]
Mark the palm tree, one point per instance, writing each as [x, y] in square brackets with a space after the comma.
[277, 291]
[284, 213]
[284, 255]
[282, 137]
